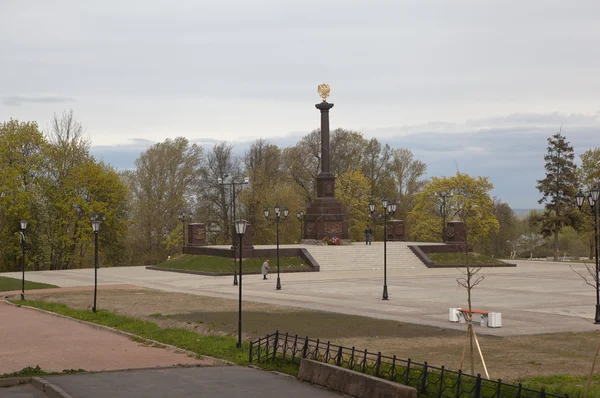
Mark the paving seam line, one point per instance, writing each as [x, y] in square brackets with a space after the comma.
[51, 390]
[125, 334]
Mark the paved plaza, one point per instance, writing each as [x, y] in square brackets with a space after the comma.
[534, 297]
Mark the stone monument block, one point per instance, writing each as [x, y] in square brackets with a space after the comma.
[196, 234]
[247, 241]
[396, 230]
[456, 232]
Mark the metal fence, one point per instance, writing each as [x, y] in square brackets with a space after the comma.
[430, 381]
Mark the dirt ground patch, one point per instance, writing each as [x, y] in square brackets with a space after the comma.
[508, 358]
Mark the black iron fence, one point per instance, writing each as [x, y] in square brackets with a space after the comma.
[430, 381]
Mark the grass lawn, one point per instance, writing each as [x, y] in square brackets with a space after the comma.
[225, 264]
[8, 284]
[462, 259]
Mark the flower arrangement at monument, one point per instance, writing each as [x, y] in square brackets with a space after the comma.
[332, 241]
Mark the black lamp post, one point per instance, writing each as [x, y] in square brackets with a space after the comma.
[443, 196]
[95, 219]
[233, 184]
[23, 227]
[277, 220]
[240, 228]
[593, 203]
[389, 208]
[181, 217]
[300, 216]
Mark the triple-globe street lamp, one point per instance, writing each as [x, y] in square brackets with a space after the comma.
[277, 220]
[389, 209]
[240, 229]
[592, 199]
[234, 192]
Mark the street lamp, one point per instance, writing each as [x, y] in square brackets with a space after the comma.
[389, 209]
[181, 217]
[240, 228]
[300, 216]
[23, 227]
[592, 198]
[95, 219]
[277, 220]
[233, 184]
[443, 196]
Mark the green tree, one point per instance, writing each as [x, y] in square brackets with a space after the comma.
[353, 191]
[589, 173]
[166, 175]
[21, 168]
[407, 176]
[558, 189]
[470, 203]
[501, 243]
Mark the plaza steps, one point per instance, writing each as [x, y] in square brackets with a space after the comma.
[359, 256]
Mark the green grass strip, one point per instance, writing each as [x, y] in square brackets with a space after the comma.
[473, 259]
[225, 264]
[7, 284]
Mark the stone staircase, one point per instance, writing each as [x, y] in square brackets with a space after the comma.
[359, 256]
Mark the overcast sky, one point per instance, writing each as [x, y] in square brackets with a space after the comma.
[478, 84]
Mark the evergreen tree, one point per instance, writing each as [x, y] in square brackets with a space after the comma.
[558, 189]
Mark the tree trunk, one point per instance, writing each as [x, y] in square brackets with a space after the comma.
[470, 325]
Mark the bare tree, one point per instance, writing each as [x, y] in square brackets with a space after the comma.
[469, 280]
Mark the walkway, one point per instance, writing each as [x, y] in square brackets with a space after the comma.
[29, 338]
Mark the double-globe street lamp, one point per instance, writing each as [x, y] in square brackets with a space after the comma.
[240, 229]
[95, 219]
[300, 216]
[277, 220]
[182, 217]
[22, 238]
[234, 192]
[389, 209]
[443, 212]
[592, 199]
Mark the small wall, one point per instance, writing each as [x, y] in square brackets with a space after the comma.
[256, 253]
[422, 254]
[351, 383]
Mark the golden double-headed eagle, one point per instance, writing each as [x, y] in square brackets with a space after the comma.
[324, 90]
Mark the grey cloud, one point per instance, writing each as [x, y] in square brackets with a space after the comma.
[16, 100]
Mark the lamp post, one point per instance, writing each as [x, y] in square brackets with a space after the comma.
[23, 227]
[277, 220]
[443, 196]
[592, 198]
[95, 219]
[233, 184]
[389, 208]
[300, 216]
[181, 217]
[240, 228]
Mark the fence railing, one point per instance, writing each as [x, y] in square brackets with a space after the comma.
[430, 381]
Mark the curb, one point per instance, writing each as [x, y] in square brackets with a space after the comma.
[49, 389]
[125, 334]
[14, 381]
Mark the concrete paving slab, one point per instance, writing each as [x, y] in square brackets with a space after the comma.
[534, 297]
[213, 382]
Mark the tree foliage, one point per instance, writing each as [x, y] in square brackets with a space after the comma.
[558, 189]
[470, 203]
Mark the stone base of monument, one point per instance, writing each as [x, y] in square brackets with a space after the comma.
[326, 218]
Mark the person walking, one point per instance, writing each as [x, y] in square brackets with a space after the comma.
[368, 233]
[265, 269]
